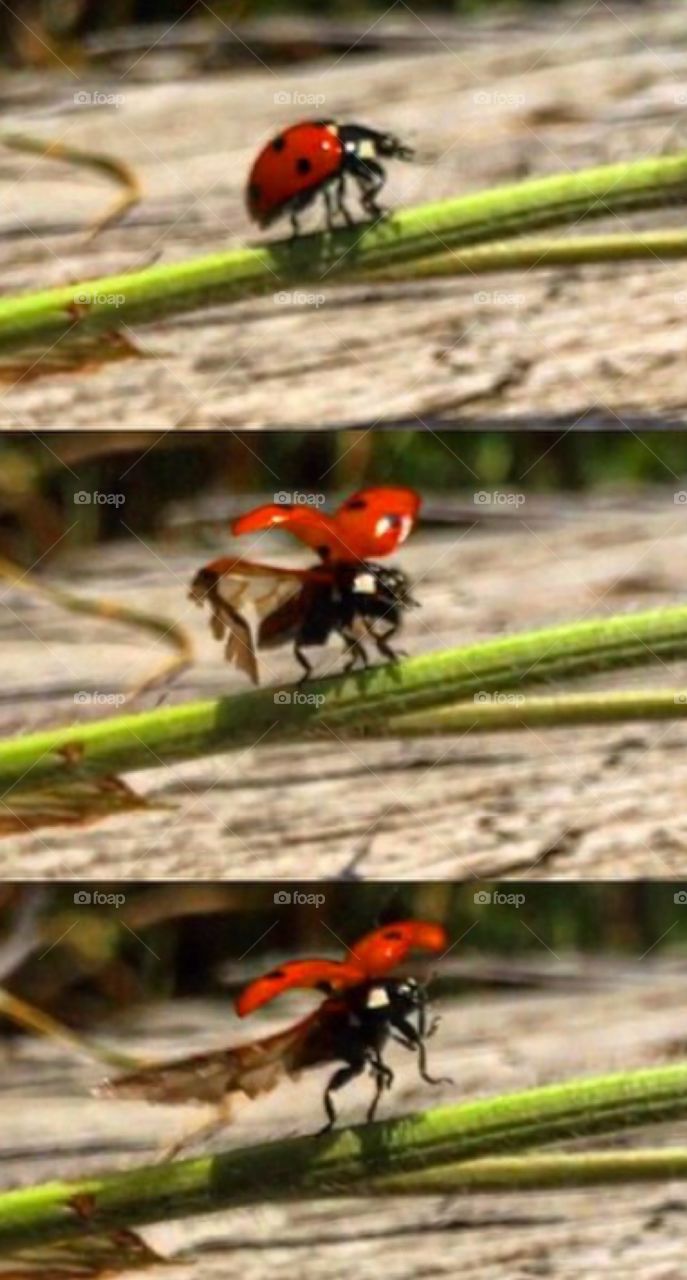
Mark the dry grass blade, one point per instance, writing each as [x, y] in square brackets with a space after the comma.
[116, 170]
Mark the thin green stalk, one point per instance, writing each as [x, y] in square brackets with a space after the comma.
[102, 305]
[531, 253]
[516, 711]
[538, 1173]
[354, 704]
[352, 1159]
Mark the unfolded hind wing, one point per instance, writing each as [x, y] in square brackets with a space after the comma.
[249, 1069]
[229, 587]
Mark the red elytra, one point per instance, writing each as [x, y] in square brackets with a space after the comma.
[316, 156]
[373, 956]
[297, 161]
[370, 523]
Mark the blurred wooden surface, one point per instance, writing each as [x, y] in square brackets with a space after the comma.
[631, 1016]
[568, 802]
[484, 102]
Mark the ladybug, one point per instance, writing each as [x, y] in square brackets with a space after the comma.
[364, 1007]
[316, 156]
[345, 593]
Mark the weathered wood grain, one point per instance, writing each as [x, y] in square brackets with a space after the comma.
[490, 1043]
[572, 802]
[489, 102]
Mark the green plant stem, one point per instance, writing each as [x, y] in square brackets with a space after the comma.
[538, 1172]
[349, 1160]
[528, 254]
[519, 712]
[354, 704]
[411, 234]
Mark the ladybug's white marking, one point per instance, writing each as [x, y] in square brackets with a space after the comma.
[365, 584]
[385, 523]
[377, 998]
[364, 147]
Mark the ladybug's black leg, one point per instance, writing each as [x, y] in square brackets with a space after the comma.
[384, 1078]
[425, 1028]
[356, 651]
[343, 210]
[382, 642]
[410, 1038]
[370, 176]
[329, 206]
[307, 666]
[295, 225]
[341, 1077]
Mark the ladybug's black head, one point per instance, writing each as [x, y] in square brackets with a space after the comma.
[389, 145]
[361, 139]
[409, 992]
[395, 583]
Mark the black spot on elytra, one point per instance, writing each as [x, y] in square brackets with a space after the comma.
[279, 143]
[356, 504]
[254, 191]
[303, 165]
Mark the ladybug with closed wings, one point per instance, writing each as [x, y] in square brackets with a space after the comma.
[345, 593]
[363, 1008]
[316, 157]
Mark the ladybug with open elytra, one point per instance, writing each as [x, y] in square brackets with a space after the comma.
[364, 1008]
[316, 157]
[345, 593]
